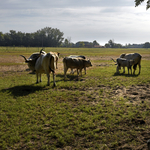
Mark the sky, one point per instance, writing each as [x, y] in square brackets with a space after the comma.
[83, 20]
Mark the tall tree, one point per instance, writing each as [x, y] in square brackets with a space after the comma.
[1, 39]
[138, 2]
[111, 43]
[146, 45]
[95, 43]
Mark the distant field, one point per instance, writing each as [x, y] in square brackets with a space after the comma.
[100, 110]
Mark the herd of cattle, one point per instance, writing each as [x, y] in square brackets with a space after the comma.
[42, 62]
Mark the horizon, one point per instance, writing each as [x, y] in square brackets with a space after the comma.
[81, 20]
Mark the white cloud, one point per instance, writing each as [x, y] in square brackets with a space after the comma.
[81, 20]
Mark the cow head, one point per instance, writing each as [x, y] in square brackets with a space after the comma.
[122, 55]
[87, 62]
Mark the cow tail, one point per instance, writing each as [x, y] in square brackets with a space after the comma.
[51, 70]
[51, 63]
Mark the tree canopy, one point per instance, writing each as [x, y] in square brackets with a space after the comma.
[138, 2]
[47, 37]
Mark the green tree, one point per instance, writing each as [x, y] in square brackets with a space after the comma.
[66, 43]
[1, 39]
[111, 43]
[138, 2]
[107, 45]
[81, 44]
[95, 43]
[146, 45]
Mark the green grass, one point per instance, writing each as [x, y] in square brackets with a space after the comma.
[77, 114]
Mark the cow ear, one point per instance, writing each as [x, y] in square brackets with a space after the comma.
[29, 60]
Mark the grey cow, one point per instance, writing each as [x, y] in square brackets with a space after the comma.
[136, 57]
[122, 62]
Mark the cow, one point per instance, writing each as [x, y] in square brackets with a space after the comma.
[77, 56]
[75, 63]
[39, 63]
[122, 62]
[32, 60]
[45, 64]
[56, 54]
[136, 57]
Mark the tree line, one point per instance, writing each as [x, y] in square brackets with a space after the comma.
[46, 37]
[50, 37]
[112, 44]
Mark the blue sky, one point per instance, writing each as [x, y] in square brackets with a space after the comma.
[84, 20]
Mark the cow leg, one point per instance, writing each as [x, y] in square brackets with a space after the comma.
[139, 68]
[128, 70]
[81, 72]
[37, 78]
[134, 67]
[48, 78]
[65, 70]
[123, 69]
[40, 77]
[77, 72]
[85, 70]
[54, 84]
[71, 71]
[117, 69]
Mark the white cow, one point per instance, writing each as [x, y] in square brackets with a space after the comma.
[45, 64]
[136, 57]
[75, 63]
[122, 62]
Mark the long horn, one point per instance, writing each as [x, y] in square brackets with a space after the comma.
[113, 60]
[24, 58]
[41, 51]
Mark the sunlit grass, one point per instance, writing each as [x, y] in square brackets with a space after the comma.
[79, 113]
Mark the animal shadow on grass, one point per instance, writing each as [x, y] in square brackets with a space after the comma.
[69, 77]
[23, 90]
[126, 75]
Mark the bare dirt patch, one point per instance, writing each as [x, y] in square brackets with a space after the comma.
[135, 93]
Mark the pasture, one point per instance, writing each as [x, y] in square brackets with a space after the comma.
[100, 110]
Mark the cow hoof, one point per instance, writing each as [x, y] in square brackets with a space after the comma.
[54, 85]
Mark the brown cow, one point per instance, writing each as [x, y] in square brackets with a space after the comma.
[75, 63]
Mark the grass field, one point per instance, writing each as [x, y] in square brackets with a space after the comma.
[100, 110]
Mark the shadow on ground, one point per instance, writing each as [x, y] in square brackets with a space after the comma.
[22, 90]
[69, 77]
[126, 75]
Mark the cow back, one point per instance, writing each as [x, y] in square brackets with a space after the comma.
[73, 62]
[136, 57]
